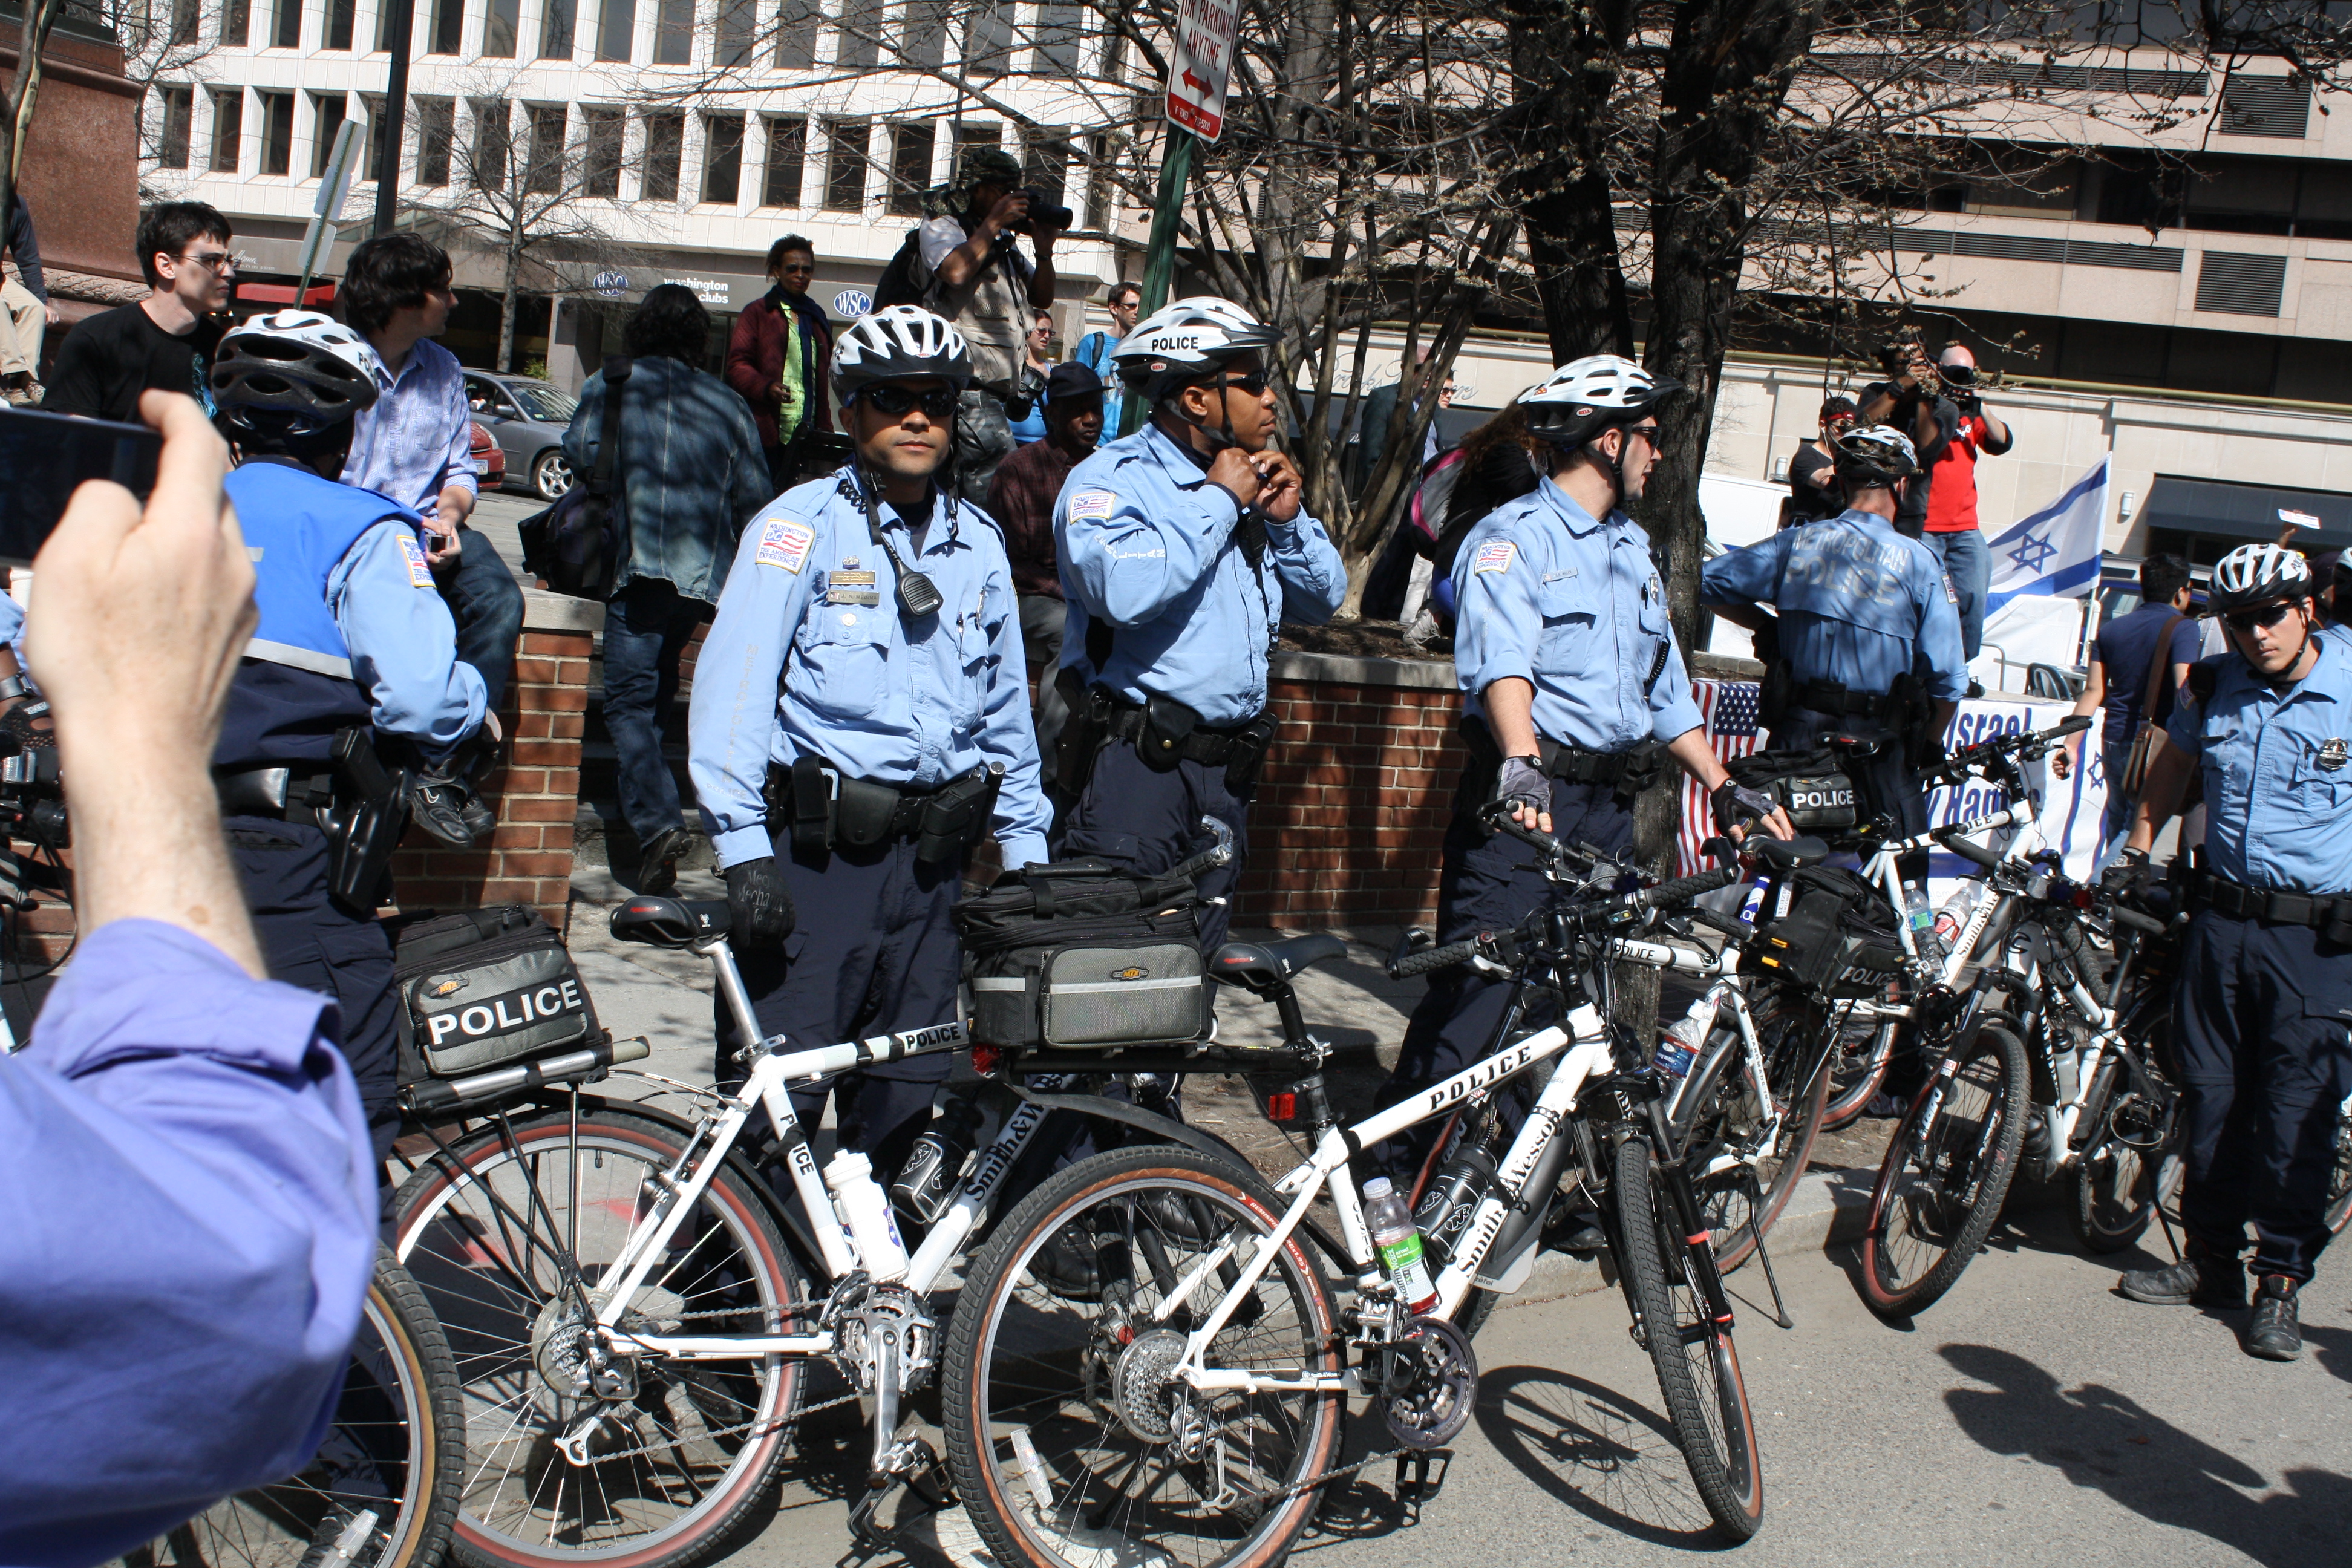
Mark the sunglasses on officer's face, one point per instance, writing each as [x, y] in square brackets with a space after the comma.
[2244, 621]
[1254, 384]
[892, 401]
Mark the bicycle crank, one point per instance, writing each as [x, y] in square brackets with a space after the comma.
[1439, 1376]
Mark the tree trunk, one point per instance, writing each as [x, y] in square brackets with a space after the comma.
[1566, 63]
[515, 243]
[18, 101]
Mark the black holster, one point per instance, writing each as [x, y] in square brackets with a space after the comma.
[1082, 733]
[1166, 725]
[957, 814]
[362, 822]
[1772, 694]
[1914, 723]
[1250, 747]
[811, 805]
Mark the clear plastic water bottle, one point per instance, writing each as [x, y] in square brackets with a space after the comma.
[1681, 1045]
[1398, 1244]
[1953, 917]
[1922, 916]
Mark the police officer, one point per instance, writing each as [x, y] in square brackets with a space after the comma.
[2265, 996]
[1864, 610]
[354, 646]
[1182, 549]
[861, 717]
[1574, 690]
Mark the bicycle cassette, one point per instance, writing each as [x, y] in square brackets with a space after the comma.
[1441, 1376]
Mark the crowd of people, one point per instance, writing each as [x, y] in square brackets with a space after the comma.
[292, 621]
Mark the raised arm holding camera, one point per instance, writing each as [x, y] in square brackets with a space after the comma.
[1911, 399]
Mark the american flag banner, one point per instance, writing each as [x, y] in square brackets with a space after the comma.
[1728, 708]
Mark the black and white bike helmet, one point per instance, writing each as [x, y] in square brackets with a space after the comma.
[1181, 343]
[293, 373]
[1876, 456]
[1581, 399]
[899, 344]
[2255, 574]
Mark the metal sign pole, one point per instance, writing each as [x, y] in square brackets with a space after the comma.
[1160, 255]
[402, 26]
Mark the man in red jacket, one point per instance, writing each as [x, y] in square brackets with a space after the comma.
[779, 357]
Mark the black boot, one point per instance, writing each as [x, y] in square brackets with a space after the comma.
[2272, 1333]
[2202, 1279]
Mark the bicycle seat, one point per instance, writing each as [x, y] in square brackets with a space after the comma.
[1262, 965]
[670, 922]
[1788, 854]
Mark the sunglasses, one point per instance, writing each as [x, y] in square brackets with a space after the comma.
[894, 401]
[2244, 621]
[211, 261]
[1254, 384]
[1646, 431]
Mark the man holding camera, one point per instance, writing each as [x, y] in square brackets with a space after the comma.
[1950, 522]
[982, 283]
[1911, 400]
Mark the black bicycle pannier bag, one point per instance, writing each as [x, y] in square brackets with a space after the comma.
[485, 987]
[1809, 786]
[1837, 937]
[1083, 956]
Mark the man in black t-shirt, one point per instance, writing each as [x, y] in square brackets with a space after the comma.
[165, 341]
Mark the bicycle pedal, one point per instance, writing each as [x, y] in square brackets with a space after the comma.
[1413, 1486]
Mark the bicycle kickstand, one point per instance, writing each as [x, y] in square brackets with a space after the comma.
[1764, 1253]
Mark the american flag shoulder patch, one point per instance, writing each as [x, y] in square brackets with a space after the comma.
[1091, 504]
[785, 543]
[1495, 555]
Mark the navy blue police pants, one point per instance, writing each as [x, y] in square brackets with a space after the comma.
[1134, 815]
[1487, 883]
[873, 953]
[2262, 1016]
[309, 941]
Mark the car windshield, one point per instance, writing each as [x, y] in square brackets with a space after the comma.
[544, 402]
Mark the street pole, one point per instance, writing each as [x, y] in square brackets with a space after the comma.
[395, 122]
[1160, 255]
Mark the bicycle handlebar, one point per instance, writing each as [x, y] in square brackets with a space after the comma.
[1430, 958]
[1680, 891]
[1950, 838]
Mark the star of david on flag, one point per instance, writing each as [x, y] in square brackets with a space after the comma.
[2056, 551]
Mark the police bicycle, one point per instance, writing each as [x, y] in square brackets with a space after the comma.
[1187, 1407]
[637, 1309]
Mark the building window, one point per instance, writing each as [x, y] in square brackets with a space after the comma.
[1102, 191]
[787, 151]
[844, 165]
[276, 132]
[1045, 157]
[499, 27]
[449, 27]
[289, 32]
[341, 14]
[602, 176]
[665, 147]
[923, 33]
[971, 134]
[328, 112]
[187, 23]
[556, 30]
[1060, 24]
[373, 163]
[988, 39]
[674, 32]
[722, 159]
[737, 20]
[435, 122]
[617, 28]
[173, 107]
[228, 129]
[493, 142]
[383, 25]
[861, 35]
[796, 25]
[910, 165]
[544, 175]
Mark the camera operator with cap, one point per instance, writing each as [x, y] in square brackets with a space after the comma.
[354, 643]
[860, 718]
[2265, 996]
[1183, 548]
[1911, 400]
[982, 283]
[1575, 693]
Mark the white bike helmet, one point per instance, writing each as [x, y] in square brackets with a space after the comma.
[293, 372]
[2260, 575]
[1875, 456]
[1597, 393]
[1181, 343]
[899, 344]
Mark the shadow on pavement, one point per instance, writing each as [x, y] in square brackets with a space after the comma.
[1609, 1458]
[2332, 1348]
[2099, 1438]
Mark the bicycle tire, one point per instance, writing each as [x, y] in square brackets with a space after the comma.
[1971, 1119]
[464, 1252]
[2116, 1187]
[281, 1525]
[1708, 1402]
[1855, 1081]
[1020, 1345]
[2339, 1181]
[1707, 1114]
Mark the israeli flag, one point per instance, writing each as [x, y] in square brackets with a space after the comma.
[2054, 551]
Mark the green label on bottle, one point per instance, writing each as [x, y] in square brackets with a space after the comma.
[1401, 1254]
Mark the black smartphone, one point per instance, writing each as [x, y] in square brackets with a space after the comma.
[45, 456]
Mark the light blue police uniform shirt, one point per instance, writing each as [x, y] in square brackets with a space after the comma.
[1573, 606]
[1146, 543]
[2276, 814]
[1858, 603]
[796, 666]
[403, 646]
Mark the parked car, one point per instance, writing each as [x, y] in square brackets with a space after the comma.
[527, 416]
[489, 458]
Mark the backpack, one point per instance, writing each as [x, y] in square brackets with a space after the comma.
[899, 284]
[575, 545]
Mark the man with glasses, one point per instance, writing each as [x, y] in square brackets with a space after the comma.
[166, 342]
[2264, 994]
[1574, 693]
[1183, 550]
[777, 357]
[860, 718]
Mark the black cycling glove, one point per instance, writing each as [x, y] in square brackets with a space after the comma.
[758, 908]
[1522, 782]
[1736, 802]
[2128, 875]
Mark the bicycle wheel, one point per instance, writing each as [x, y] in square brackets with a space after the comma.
[1072, 1446]
[384, 1485]
[2339, 1181]
[2120, 1177]
[1721, 1118]
[1946, 1172]
[1865, 1047]
[1697, 1366]
[677, 1461]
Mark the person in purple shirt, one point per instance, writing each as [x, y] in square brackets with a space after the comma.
[192, 1222]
